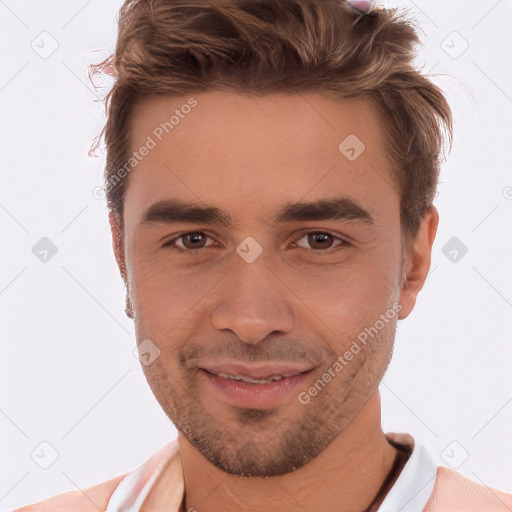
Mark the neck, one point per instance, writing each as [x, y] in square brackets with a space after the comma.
[347, 475]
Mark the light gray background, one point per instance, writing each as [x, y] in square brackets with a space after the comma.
[68, 374]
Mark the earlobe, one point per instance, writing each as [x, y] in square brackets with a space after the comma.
[417, 262]
[128, 309]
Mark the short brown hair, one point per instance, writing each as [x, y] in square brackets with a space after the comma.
[170, 47]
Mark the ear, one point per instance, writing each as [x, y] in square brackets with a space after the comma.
[116, 228]
[417, 261]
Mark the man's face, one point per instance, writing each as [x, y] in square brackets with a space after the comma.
[291, 310]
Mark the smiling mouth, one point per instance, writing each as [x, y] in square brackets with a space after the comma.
[255, 373]
[250, 380]
[253, 386]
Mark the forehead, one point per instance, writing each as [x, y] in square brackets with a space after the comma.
[242, 149]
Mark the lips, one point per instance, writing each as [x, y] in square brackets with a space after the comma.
[256, 371]
[257, 386]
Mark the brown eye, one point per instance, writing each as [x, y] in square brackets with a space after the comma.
[318, 241]
[191, 241]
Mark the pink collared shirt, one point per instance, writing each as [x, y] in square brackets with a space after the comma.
[157, 485]
[422, 485]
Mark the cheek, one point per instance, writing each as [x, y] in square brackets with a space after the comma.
[163, 294]
[346, 307]
[351, 294]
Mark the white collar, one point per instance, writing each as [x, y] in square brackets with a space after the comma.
[415, 484]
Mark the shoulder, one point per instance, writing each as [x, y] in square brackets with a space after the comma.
[453, 491]
[91, 499]
[97, 497]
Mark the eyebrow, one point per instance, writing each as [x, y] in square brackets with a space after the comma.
[337, 208]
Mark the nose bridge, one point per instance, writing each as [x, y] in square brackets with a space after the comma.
[252, 302]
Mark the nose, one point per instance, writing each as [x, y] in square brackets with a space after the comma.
[253, 302]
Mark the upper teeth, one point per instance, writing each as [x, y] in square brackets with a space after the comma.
[249, 379]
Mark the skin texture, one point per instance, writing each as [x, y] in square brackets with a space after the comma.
[296, 301]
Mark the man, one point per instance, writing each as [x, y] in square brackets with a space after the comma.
[271, 166]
